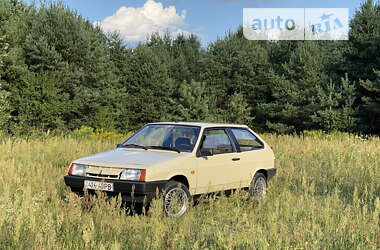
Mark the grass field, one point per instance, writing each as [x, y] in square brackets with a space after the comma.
[326, 195]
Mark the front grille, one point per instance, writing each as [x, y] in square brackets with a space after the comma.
[103, 176]
[103, 172]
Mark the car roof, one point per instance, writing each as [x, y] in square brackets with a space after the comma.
[202, 124]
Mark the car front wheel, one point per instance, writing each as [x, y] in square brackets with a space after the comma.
[259, 187]
[176, 199]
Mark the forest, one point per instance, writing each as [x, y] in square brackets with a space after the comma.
[59, 72]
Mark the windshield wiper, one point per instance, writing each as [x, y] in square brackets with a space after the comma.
[133, 146]
[165, 148]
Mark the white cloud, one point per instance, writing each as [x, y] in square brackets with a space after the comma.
[135, 24]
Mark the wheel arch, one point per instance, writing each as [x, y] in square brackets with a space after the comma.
[262, 171]
[181, 178]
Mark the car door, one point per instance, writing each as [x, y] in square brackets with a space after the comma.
[251, 153]
[218, 171]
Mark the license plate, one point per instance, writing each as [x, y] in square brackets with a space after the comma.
[98, 185]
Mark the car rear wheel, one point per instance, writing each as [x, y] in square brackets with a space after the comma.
[176, 199]
[259, 186]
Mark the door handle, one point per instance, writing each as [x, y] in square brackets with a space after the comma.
[236, 159]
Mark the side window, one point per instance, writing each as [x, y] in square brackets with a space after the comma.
[218, 141]
[246, 140]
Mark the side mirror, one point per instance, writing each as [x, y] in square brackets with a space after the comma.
[119, 145]
[207, 152]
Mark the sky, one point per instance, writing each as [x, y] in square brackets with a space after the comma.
[208, 19]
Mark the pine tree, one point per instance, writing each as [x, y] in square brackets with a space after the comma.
[279, 52]
[365, 42]
[15, 18]
[185, 53]
[192, 104]
[238, 111]
[372, 103]
[150, 88]
[294, 91]
[4, 95]
[363, 62]
[237, 65]
[61, 41]
[336, 107]
[39, 103]
[4, 109]
[181, 54]
[121, 58]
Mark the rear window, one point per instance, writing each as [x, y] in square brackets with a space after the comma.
[246, 140]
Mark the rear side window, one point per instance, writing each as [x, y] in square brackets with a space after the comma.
[246, 140]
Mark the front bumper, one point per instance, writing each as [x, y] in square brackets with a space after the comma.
[129, 190]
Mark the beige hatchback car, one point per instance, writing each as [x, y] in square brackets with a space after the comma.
[180, 160]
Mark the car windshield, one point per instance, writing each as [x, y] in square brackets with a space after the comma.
[165, 137]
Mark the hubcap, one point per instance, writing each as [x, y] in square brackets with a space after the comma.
[175, 202]
[260, 188]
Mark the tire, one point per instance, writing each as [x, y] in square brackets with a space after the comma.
[176, 207]
[259, 186]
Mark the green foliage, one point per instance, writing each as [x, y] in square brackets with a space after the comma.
[238, 111]
[110, 136]
[193, 103]
[365, 41]
[337, 111]
[181, 54]
[4, 95]
[83, 132]
[60, 72]
[295, 88]
[38, 102]
[4, 109]
[308, 93]
[371, 100]
[60, 41]
[151, 88]
[236, 65]
[329, 136]
[87, 133]
[364, 62]
[104, 120]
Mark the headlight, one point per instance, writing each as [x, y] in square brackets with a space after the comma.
[78, 169]
[132, 175]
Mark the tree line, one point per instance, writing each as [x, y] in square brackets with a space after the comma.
[58, 71]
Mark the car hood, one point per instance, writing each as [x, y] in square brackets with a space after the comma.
[129, 158]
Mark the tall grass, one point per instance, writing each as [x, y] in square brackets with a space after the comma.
[326, 195]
